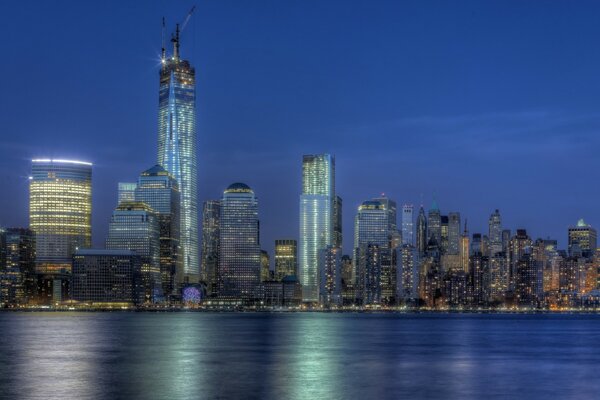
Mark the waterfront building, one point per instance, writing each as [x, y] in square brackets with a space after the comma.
[316, 219]
[107, 278]
[158, 189]
[584, 237]
[528, 280]
[373, 229]
[60, 215]
[499, 277]
[330, 263]
[18, 283]
[135, 226]
[210, 244]
[177, 148]
[480, 278]
[520, 243]
[286, 258]
[239, 252]
[408, 274]
[465, 250]
[407, 224]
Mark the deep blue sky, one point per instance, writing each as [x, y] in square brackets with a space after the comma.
[487, 104]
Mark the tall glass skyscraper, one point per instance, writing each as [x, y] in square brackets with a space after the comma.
[210, 244]
[316, 219]
[239, 253]
[60, 215]
[158, 189]
[407, 224]
[134, 226]
[177, 148]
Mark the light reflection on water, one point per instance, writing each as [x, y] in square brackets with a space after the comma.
[297, 356]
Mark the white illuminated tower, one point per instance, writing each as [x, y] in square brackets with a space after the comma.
[316, 219]
[177, 147]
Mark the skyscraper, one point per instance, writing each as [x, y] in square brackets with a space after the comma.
[422, 238]
[316, 219]
[584, 237]
[210, 244]
[135, 226]
[60, 215]
[330, 264]
[157, 188]
[17, 266]
[126, 192]
[453, 233]
[239, 253]
[495, 233]
[286, 258]
[177, 147]
[434, 224]
[407, 224]
[373, 229]
[337, 222]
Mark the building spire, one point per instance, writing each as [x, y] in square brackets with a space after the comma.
[163, 50]
[175, 41]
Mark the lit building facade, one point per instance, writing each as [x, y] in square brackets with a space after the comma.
[495, 233]
[126, 192]
[421, 237]
[18, 282]
[286, 258]
[135, 226]
[106, 278]
[210, 244]
[330, 263]
[177, 148]
[434, 224]
[453, 233]
[316, 219]
[584, 237]
[60, 215]
[239, 254]
[158, 189]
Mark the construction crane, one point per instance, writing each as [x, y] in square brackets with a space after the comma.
[175, 37]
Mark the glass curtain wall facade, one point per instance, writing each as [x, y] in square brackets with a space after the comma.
[177, 149]
[60, 212]
[158, 189]
[239, 254]
[316, 219]
[210, 244]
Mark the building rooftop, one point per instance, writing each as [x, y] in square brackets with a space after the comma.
[238, 187]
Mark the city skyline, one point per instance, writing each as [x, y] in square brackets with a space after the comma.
[545, 206]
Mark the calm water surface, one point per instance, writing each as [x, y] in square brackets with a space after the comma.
[298, 356]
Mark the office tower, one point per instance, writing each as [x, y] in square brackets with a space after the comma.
[434, 224]
[60, 215]
[456, 288]
[528, 280]
[135, 226]
[107, 278]
[584, 236]
[316, 219]
[465, 250]
[408, 274]
[373, 229]
[421, 238]
[392, 212]
[17, 266]
[520, 243]
[444, 234]
[126, 192]
[239, 253]
[177, 147]
[453, 233]
[158, 189]
[407, 224]
[499, 277]
[210, 244]
[495, 233]
[286, 258]
[337, 222]
[551, 269]
[480, 278]
[330, 263]
[347, 268]
[265, 266]
[506, 241]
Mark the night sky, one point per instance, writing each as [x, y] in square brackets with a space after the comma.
[486, 104]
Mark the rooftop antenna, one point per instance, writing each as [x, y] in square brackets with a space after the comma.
[163, 50]
[466, 232]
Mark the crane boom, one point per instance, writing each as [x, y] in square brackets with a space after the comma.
[187, 18]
